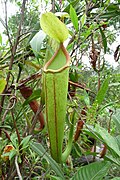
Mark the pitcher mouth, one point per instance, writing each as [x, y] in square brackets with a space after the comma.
[46, 68]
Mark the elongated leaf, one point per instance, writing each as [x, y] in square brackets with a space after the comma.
[94, 171]
[74, 17]
[109, 140]
[104, 40]
[55, 178]
[106, 105]
[6, 127]
[114, 84]
[83, 20]
[86, 98]
[53, 27]
[39, 149]
[25, 141]
[36, 42]
[2, 84]
[116, 119]
[77, 149]
[116, 178]
[0, 39]
[14, 140]
[118, 140]
[102, 92]
[74, 3]
[113, 160]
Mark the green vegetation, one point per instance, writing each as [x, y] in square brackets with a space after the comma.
[60, 118]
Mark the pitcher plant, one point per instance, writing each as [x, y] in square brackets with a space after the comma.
[55, 80]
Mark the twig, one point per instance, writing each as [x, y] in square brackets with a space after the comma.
[35, 119]
[53, 5]
[11, 104]
[82, 86]
[18, 169]
[6, 25]
[13, 52]
[32, 77]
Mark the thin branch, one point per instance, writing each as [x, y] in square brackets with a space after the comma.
[6, 25]
[2, 22]
[35, 119]
[18, 169]
[82, 86]
[14, 48]
[32, 77]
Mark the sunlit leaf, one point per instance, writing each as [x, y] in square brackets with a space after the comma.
[83, 20]
[2, 85]
[109, 140]
[0, 39]
[53, 27]
[36, 42]
[74, 17]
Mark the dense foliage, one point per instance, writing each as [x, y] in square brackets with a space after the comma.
[92, 122]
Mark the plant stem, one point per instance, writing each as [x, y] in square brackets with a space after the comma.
[67, 151]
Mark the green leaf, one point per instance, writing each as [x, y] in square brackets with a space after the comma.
[74, 17]
[104, 40]
[14, 140]
[116, 178]
[35, 95]
[77, 149]
[113, 159]
[0, 39]
[55, 178]
[83, 20]
[118, 140]
[102, 92]
[86, 98]
[116, 119]
[94, 171]
[74, 3]
[110, 141]
[36, 42]
[114, 84]
[53, 27]
[6, 127]
[25, 141]
[12, 153]
[113, 7]
[39, 149]
[2, 85]
[105, 106]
